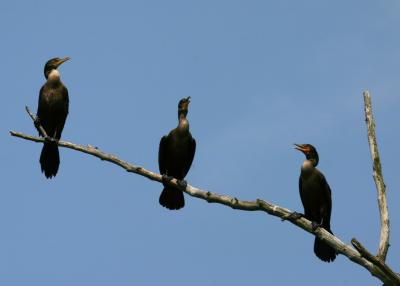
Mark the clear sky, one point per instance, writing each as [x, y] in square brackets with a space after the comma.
[262, 75]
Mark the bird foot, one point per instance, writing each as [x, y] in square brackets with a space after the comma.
[293, 216]
[166, 178]
[182, 184]
[315, 225]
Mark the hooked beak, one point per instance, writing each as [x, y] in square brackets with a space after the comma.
[301, 148]
[63, 61]
[188, 99]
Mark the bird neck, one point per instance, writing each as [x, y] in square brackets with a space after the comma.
[313, 161]
[54, 77]
[308, 167]
[183, 125]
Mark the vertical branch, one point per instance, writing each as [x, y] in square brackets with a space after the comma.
[378, 178]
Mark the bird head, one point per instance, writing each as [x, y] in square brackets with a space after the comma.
[183, 106]
[310, 152]
[53, 64]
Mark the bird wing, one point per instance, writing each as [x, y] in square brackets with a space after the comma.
[301, 196]
[190, 157]
[40, 110]
[63, 116]
[327, 189]
[327, 193]
[162, 155]
[65, 97]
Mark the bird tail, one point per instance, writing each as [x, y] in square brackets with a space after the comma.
[49, 160]
[324, 251]
[172, 198]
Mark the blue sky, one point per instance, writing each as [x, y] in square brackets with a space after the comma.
[262, 75]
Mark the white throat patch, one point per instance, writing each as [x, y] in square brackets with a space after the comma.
[307, 165]
[183, 125]
[54, 75]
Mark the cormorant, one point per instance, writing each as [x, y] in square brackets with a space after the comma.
[315, 195]
[51, 113]
[175, 156]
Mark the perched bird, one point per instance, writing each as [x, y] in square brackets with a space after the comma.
[175, 156]
[51, 113]
[315, 195]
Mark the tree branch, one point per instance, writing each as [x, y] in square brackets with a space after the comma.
[361, 256]
[36, 122]
[375, 260]
[378, 178]
[258, 205]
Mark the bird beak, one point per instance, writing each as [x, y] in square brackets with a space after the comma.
[301, 148]
[184, 104]
[63, 60]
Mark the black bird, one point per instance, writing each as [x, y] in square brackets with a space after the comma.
[51, 113]
[315, 195]
[175, 156]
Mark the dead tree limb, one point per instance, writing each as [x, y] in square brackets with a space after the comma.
[378, 178]
[375, 265]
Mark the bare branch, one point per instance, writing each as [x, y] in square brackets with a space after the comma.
[258, 205]
[36, 122]
[378, 178]
[375, 260]
[375, 265]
